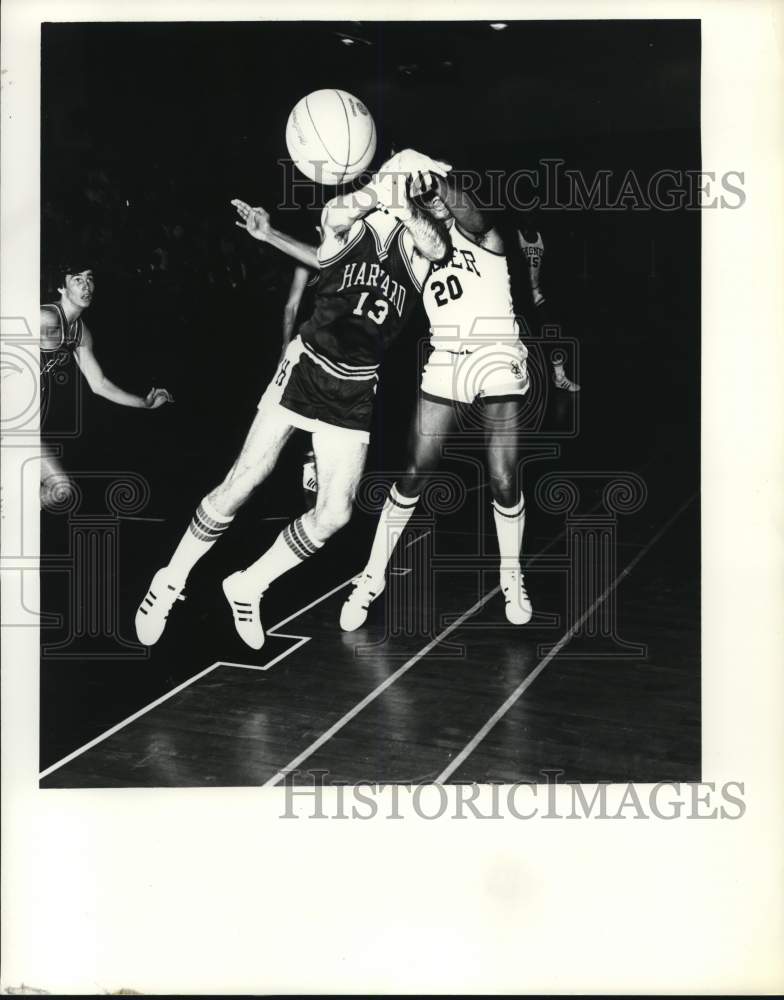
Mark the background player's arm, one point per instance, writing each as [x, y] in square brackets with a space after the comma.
[257, 222]
[534, 268]
[50, 330]
[102, 386]
[298, 283]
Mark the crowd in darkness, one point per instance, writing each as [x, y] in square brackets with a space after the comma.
[153, 235]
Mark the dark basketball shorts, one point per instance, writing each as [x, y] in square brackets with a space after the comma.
[313, 393]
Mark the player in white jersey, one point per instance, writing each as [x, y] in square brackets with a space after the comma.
[532, 247]
[477, 356]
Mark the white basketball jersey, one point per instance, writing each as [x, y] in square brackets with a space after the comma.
[469, 298]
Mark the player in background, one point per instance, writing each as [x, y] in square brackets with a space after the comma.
[478, 357]
[532, 247]
[65, 336]
[371, 265]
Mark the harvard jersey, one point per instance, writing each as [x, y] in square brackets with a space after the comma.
[468, 298]
[366, 291]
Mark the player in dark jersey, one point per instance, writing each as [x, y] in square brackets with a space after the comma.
[303, 281]
[374, 256]
[65, 336]
[532, 249]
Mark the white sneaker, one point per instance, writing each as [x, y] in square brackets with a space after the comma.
[244, 601]
[562, 382]
[354, 612]
[165, 590]
[519, 610]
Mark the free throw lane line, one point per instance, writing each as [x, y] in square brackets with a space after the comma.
[180, 687]
[345, 719]
[494, 719]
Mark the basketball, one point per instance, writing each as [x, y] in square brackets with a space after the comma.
[331, 136]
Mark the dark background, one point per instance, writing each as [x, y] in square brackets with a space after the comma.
[148, 131]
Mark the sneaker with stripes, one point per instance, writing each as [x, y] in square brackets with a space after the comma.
[165, 590]
[519, 610]
[244, 597]
[563, 382]
[354, 612]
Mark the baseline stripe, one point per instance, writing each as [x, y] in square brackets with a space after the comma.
[131, 718]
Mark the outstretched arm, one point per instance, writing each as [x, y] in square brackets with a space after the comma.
[102, 386]
[256, 221]
[291, 309]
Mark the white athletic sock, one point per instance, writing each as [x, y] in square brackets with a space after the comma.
[292, 546]
[206, 527]
[509, 526]
[558, 372]
[395, 515]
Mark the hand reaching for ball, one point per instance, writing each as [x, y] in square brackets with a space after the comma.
[255, 220]
[411, 163]
[403, 176]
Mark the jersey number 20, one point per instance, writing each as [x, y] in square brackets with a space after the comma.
[453, 288]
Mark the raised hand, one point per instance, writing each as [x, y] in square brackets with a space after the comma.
[253, 219]
[410, 162]
[157, 397]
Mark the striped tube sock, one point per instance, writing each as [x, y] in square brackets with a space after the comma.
[395, 515]
[292, 546]
[206, 527]
[509, 526]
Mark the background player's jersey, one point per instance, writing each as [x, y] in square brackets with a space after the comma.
[469, 298]
[69, 339]
[366, 291]
[533, 251]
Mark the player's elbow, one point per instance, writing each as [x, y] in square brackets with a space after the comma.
[437, 253]
[98, 383]
[337, 215]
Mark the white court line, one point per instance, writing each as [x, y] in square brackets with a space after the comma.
[218, 663]
[312, 604]
[344, 720]
[281, 656]
[418, 538]
[125, 722]
[494, 719]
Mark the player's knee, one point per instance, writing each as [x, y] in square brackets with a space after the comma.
[504, 488]
[331, 517]
[411, 484]
[227, 498]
